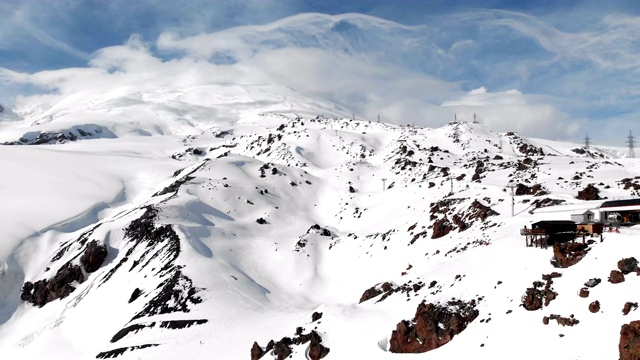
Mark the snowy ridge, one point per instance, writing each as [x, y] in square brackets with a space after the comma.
[223, 232]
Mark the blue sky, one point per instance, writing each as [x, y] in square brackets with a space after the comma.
[573, 63]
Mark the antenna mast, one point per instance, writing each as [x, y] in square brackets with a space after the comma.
[631, 143]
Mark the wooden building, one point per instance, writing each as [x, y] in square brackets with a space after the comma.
[548, 232]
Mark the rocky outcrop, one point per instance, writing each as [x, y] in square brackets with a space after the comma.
[283, 348]
[376, 290]
[628, 265]
[568, 254]
[433, 326]
[535, 190]
[537, 296]
[616, 277]
[629, 345]
[93, 256]
[256, 351]
[589, 193]
[441, 228]
[60, 286]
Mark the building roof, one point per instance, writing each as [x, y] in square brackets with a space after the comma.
[619, 203]
[554, 222]
[583, 213]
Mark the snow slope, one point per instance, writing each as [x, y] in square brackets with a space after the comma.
[232, 218]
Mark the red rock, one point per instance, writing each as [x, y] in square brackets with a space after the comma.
[629, 345]
[628, 306]
[584, 292]
[433, 326]
[616, 277]
[594, 307]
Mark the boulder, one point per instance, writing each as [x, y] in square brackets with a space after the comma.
[432, 326]
[568, 254]
[594, 307]
[629, 345]
[256, 351]
[628, 306]
[628, 265]
[584, 292]
[616, 277]
[589, 193]
[93, 256]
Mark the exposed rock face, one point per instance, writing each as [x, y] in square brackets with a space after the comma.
[628, 306]
[441, 228]
[283, 348]
[616, 277]
[316, 316]
[536, 190]
[256, 351]
[628, 265]
[433, 326]
[629, 345]
[93, 256]
[376, 290]
[44, 291]
[589, 193]
[568, 254]
[594, 307]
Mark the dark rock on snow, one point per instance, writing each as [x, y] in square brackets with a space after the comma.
[93, 256]
[433, 326]
[616, 277]
[629, 345]
[628, 306]
[628, 265]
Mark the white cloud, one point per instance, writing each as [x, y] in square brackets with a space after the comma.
[513, 111]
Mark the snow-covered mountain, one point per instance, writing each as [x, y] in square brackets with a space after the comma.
[248, 219]
[181, 235]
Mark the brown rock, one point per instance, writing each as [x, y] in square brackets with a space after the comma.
[93, 256]
[629, 345]
[545, 320]
[43, 291]
[589, 193]
[256, 351]
[594, 307]
[628, 306]
[316, 350]
[568, 254]
[433, 326]
[441, 228]
[616, 277]
[628, 265]
[376, 290]
[584, 292]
